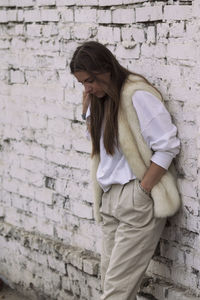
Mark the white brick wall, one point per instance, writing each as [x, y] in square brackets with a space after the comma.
[144, 14]
[123, 16]
[46, 217]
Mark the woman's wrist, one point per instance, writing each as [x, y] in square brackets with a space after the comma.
[144, 188]
[83, 115]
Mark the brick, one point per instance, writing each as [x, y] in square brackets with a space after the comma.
[60, 158]
[4, 3]
[17, 77]
[2, 212]
[49, 15]
[192, 30]
[65, 32]
[110, 2]
[50, 45]
[108, 35]
[46, 2]
[116, 34]
[157, 267]
[66, 283]
[19, 173]
[145, 14]
[34, 30]
[85, 15]
[26, 190]
[45, 227]
[21, 202]
[32, 16]
[162, 30]
[91, 266]
[49, 30]
[20, 15]
[82, 32]
[177, 30]
[134, 1]
[11, 15]
[53, 214]
[63, 144]
[177, 12]
[87, 2]
[121, 52]
[187, 188]
[64, 3]
[68, 47]
[82, 210]
[67, 15]
[75, 258]
[80, 143]
[44, 195]
[3, 16]
[32, 164]
[151, 34]
[66, 80]
[180, 50]
[37, 208]
[4, 44]
[11, 132]
[18, 30]
[73, 95]
[36, 121]
[123, 16]
[176, 294]
[147, 50]
[160, 50]
[10, 185]
[56, 126]
[19, 3]
[196, 8]
[104, 16]
[56, 264]
[11, 216]
[133, 33]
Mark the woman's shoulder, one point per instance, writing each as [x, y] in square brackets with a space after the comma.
[136, 82]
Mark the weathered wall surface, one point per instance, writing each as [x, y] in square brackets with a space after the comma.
[49, 243]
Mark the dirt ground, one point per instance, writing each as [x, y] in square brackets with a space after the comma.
[8, 294]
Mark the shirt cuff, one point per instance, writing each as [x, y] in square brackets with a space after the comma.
[163, 159]
[88, 135]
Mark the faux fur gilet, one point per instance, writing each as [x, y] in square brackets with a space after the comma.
[164, 194]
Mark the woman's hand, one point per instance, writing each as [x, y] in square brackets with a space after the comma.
[85, 102]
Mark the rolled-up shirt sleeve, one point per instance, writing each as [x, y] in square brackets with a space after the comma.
[157, 128]
[87, 118]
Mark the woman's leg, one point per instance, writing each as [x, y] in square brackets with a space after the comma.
[136, 238]
[109, 227]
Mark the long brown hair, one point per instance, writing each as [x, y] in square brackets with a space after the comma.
[92, 57]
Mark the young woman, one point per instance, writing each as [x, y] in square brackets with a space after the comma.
[133, 145]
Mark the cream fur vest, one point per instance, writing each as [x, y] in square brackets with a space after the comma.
[165, 194]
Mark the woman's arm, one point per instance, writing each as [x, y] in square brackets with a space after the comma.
[85, 103]
[86, 111]
[152, 177]
[160, 135]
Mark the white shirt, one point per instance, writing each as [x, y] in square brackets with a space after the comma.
[158, 132]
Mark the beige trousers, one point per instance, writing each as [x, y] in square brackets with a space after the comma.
[130, 236]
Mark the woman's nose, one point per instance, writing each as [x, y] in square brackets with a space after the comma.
[88, 88]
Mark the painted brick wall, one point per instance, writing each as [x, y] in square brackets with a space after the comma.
[49, 243]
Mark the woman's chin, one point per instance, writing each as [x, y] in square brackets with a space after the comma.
[99, 95]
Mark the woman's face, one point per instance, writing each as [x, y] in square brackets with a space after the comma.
[91, 85]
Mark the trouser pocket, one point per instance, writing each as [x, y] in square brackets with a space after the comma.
[140, 196]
